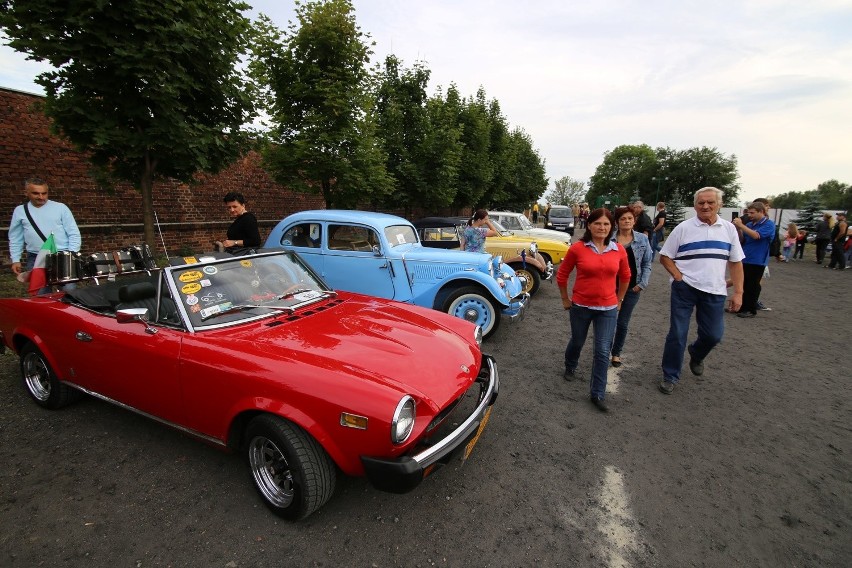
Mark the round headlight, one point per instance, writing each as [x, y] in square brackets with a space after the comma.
[403, 420]
[533, 248]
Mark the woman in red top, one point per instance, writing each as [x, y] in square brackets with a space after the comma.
[599, 260]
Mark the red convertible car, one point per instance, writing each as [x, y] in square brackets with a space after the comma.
[256, 354]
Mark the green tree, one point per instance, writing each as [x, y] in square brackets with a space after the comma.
[319, 95]
[478, 171]
[567, 191]
[676, 211]
[146, 88]
[834, 194]
[809, 214]
[526, 178]
[622, 173]
[503, 155]
[694, 168]
[789, 200]
[442, 154]
[402, 124]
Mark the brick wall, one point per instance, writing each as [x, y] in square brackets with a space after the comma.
[191, 217]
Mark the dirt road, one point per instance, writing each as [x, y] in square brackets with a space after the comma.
[750, 466]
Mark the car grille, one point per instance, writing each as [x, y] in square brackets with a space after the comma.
[457, 411]
[433, 271]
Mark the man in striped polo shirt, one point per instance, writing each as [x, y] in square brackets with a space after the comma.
[696, 255]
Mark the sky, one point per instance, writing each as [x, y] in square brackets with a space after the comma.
[769, 81]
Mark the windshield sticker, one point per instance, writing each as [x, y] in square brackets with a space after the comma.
[191, 300]
[204, 283]
[212, 297]
[190, 260]
[195, 309]
[245, 263]
[190, 276]
[191, 288]
[309, 295]
[210, 270]
[207, 312]
[400, 239]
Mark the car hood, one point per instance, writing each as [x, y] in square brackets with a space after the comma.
[548, 234]
[361, 340]
[421, 252]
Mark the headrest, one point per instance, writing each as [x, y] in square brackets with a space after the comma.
[137, 291]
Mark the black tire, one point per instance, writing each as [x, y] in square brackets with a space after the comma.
[41, 382]
[547, 258]
[290, 470]
[470, 303]
[532, 276]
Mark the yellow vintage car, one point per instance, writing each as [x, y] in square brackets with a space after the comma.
[552, 250]
[524, 255]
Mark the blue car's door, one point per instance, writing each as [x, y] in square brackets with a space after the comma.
[351, 264]
[306, 239]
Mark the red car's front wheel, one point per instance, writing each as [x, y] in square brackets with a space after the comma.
[291, 471]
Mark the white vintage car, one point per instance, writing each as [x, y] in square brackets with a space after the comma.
[518, 224]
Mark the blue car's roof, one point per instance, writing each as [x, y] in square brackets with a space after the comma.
[378, 220]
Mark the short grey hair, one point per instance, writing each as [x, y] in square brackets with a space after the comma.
[719, 194]
[639, 203]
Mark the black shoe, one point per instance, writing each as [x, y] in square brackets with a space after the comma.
[570, 374]
[600, 404]
[697, 365]
[666, 387]
[745, 315]
[616, 363]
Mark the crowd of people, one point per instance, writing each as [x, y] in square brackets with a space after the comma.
[714, 266]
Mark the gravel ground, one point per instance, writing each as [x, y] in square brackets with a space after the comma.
[748, 466]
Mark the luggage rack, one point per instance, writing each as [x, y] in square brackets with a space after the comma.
[65, 267]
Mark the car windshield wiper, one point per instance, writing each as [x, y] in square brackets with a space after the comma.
[241, 307]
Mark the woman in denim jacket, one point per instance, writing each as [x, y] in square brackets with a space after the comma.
[639, 256]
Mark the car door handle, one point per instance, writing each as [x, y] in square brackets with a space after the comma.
[389, 265]
[82, 336]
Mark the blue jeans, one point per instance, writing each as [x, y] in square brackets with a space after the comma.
[709, 315]
[624, 314]
[604, 322]
[655, 244]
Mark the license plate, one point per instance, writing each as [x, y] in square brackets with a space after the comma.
[472, 443]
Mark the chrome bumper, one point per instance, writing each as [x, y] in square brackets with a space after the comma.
[405, 473]
[517, 309]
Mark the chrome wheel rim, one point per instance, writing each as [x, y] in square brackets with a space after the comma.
[528, 285]
[271, 472]
[36, 376]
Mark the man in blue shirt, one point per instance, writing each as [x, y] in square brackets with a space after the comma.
[49, 217]
[757, 233]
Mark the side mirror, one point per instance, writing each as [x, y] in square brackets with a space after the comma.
[377, 250]
[129, 315]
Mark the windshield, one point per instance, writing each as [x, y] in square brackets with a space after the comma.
[400, 235]
[525, 223]
[500, 228]
[560, 212]
[238, 289]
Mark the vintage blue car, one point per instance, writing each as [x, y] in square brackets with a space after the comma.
[381, 255]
